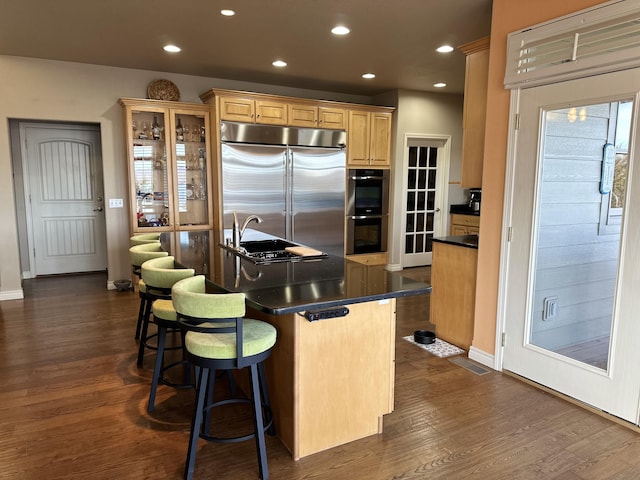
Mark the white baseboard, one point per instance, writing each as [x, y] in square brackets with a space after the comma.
[393, 267]
[484, 358]
[12, 295]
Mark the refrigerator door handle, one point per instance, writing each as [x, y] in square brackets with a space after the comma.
[288, 205]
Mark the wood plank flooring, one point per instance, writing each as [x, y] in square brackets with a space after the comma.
[73, 406]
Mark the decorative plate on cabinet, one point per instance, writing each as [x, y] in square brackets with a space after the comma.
[163, 90]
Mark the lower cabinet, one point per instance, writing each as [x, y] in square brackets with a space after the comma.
[464, 224]
[453, 298]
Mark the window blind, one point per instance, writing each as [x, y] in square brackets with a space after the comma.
[597, 40]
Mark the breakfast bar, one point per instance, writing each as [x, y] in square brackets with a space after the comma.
[331, 374]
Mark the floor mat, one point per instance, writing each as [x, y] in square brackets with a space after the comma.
[439, 348]
[469, 365]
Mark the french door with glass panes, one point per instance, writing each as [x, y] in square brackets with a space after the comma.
[573, 268]
[424, 178]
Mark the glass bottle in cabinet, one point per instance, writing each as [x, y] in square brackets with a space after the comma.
[168, 165]
[191, 170]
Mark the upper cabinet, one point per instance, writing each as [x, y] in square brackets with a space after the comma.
[167, 152]
[368, 127]
[475, 107]
[369, 138]
[249, 110]
[313, 116]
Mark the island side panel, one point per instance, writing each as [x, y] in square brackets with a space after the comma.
[345, 376]
[331, 381]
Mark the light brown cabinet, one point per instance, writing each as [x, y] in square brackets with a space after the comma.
[249, 110]
[168, 154]
[369, 139]
[312, 116]
[474, 111]
[452, 303]
[464, 224]
[368, 128]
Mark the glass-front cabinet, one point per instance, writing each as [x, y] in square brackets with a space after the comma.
[168, 153]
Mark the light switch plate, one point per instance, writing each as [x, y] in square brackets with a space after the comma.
[116, 203]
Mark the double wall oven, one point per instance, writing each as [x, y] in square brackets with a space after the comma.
[367, 211]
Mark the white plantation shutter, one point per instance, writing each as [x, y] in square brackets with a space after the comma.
[601, 39]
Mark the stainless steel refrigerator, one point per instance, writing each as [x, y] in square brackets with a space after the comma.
[293, 178]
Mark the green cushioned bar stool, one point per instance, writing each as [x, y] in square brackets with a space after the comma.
[143, 238]
[138, 254]
[158, 275]
[164, 316]
[219, 338]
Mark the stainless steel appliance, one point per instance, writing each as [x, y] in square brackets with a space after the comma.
[293, 178]
[367, 211]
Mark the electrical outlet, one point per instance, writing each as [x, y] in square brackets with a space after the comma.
[116, 203]
[550, 308]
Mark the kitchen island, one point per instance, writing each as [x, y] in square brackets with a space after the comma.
[331, 380]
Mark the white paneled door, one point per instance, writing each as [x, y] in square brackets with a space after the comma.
[64, 198]
[573, 265]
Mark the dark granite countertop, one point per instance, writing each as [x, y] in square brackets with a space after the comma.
[463, 209]
[469, 241]
[281, 288]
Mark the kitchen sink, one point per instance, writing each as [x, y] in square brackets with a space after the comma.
[271, 245]
[267, 251]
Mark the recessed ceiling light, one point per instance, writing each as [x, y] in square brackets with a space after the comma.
[340, 30]
[279, 63]
[369, 75]
[440, 85]
[227, 13]
[171, 48]
[444, 49]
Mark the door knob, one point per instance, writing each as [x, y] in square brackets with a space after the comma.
[99, 209]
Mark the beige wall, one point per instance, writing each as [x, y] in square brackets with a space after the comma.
[508, 16]
[423, 113]
[37, 89]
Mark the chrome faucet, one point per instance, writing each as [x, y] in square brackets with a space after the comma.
[239, 230]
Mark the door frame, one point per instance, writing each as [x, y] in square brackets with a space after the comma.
[442, 196]
[629, 224]
[505, 234]
[26, 188]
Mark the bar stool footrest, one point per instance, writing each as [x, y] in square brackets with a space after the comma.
[268, 423]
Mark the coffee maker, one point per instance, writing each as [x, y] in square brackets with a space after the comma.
[475, 195]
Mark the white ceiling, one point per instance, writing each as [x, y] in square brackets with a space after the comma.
[395, 39]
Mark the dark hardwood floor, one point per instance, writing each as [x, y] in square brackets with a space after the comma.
[73, 406]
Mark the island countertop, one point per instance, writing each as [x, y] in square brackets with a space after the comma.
[288, 287]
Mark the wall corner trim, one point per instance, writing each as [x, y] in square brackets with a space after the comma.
[484, 358]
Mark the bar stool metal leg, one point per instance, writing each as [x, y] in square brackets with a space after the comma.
[258, 424]
[203, 381]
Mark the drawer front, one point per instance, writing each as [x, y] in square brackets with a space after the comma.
[468, 220]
